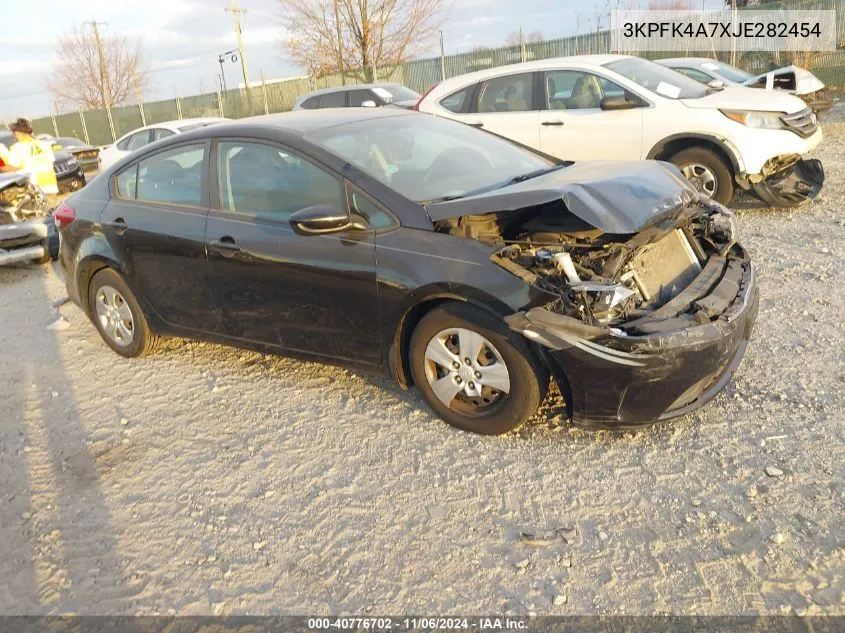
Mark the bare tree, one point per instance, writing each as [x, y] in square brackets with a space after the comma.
[358, 36]
[80, 78]
[534, 37]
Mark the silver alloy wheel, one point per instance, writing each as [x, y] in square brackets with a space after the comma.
[115, 317]
[702, 178]
[460, 362]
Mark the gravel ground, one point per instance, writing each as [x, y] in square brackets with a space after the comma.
[206, 479]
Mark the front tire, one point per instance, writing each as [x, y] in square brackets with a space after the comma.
[118, 317]
[707, 172]
[474, 372]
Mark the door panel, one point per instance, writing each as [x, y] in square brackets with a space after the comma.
[314, 294]
[160, 237]
[506, 106]
[574, 127]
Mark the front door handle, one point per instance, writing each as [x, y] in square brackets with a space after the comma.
[555, 122]
[475, 123]
[118, 225]
[226, 246]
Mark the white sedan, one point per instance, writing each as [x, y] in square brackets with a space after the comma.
[136, 139]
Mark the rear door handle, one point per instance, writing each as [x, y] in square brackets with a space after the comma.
[475, 123]
[226, 246]
[118, 225]
[555, 122]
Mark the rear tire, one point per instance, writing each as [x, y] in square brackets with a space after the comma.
[707, 172]
[504, 361]
[117, 316]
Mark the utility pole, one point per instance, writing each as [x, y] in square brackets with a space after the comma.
[442, 59]
[235, 11]
[104, 76]
[339, 44]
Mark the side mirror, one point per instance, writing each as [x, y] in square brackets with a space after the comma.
[320, 218]
[621, 102]
[369, 103]
[716, 84]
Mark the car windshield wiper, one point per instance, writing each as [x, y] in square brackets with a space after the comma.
[532, 174]
[441, 199]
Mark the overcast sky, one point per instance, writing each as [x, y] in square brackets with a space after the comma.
[181, 38]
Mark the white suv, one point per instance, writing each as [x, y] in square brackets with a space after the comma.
[593, 107]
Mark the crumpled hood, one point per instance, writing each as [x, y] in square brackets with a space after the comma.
[616, 197]
[13, 178]
[744, 98]
[809, 83]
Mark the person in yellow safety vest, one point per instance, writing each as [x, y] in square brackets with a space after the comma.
[32, 156]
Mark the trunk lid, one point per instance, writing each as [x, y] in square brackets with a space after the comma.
[616, 197]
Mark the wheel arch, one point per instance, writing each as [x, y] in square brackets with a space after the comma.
[398, 353]
[671, 145]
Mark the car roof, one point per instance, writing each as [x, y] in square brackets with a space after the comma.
[174, 124]
[303, 121]
[350, 87]
[686, 61]
[575, 61]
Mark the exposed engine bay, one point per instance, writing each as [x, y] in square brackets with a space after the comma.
[603, 279]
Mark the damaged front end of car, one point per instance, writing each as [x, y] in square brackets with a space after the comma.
[646, 300]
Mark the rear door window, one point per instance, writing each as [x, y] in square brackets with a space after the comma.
[137, 141]
[358, 97]
[160, 133]
[173, 176]
[333, 100]
[311, 103]
[511, 93]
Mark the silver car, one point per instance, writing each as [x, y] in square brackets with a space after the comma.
[358, 96]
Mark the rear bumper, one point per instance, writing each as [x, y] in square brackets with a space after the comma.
[616, 381]
[28, 241]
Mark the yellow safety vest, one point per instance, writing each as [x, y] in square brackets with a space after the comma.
[37, 158]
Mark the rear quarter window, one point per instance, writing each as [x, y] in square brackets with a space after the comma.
[457, 101]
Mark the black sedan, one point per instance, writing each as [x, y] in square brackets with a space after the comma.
[407, 244]
[87, 155]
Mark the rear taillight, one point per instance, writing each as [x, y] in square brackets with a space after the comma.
[64, 215]
[416, 106]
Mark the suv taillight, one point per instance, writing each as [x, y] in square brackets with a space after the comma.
[64, 215]
[416, 106]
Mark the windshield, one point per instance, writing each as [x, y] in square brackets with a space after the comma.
[731, 73]
[658, 79]
[426, 158]
[399, 93]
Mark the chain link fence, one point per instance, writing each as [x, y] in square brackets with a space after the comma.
[279, 95]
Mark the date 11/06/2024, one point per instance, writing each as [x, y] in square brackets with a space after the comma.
[419, 624]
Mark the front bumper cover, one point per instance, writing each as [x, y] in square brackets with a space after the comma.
[800, 182]
[617, 381]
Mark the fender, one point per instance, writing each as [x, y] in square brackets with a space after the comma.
[730, 150]
[93, 253]
[399, 330]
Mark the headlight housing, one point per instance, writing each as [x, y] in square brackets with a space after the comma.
[756, 119]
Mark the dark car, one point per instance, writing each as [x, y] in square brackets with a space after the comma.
[359, 96]
[87, 155]
[69, 173]
[408, 244]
